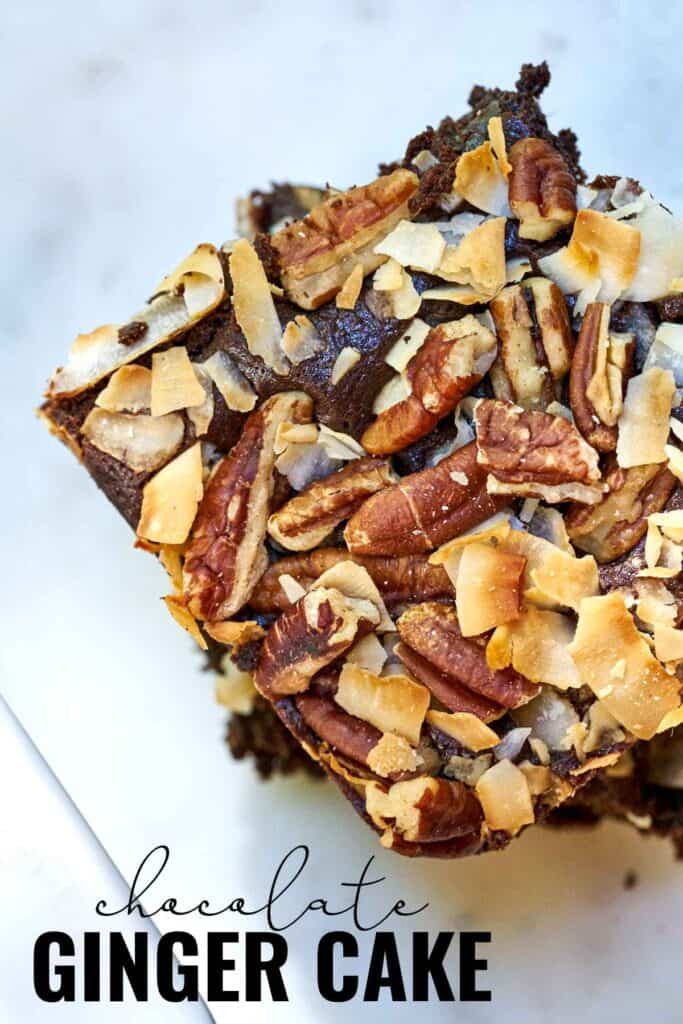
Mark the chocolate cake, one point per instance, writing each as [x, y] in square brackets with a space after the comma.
[411, 462]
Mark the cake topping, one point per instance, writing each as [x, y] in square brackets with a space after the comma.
[170, 499]
[254, 307]
[192, 291]
[128, 390]
[143, 443]
[542, 190]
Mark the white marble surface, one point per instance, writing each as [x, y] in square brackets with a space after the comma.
[52, 871]
[128, 130]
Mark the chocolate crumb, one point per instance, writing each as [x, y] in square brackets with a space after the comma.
[132, 332]
[630, 880]
[262, 736]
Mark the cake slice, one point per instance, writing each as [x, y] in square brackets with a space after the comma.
[390, 455]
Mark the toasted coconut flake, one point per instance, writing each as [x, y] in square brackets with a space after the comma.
[494, 530]
[488, 588]
[666, 351]
[355, 582]
[339, 445]
[235, 634]
[235, 689]
[388, 277]
[201, 415]
[170, 499]
[174, 382]
[300, 340]
[405, 301]
[671, 720]
[368, 654]
[538, 645]
[644, 421]
[466, 728]
[540, 749]
[172, 563]
[187, 295]
[653, 545]
[510, 747]
[550, 717]
[480, 181]
[291, 587]
[184, 617]
[393, 755]
[661, 250]
[606, 635]
[594, 763]
[517, 269]
[553, 578]
[504, 794]
[304, 463]
[668, 643]
[479, 259]
[538, 776]
[462, 294]
[202, 266]
[499, 649]
[419, 246]
[674, 460]
[143, 443]
[671, 523]
[424, 160]
[391, 703]
[347, 296]
[528, 509]
[233, 386]
[395, 390]
[601, 727]
[405, 347]
[254, 307]
[656, 604]
[129, 390]
[600, 248]
[497, 138]
[294, 433]
[345, 361]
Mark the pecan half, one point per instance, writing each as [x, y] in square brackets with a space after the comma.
[602, 364]
[409, 578]
[432, 631]
[535, 454]
[445, 688]
[226, 555]
[541, 189]
[304, 522]
[316, 630]
[535, 343]
[614, 526]
[424, 509]
[345, 733]
[453, 359]
[424, 810]
[384, 754]
[318, 253]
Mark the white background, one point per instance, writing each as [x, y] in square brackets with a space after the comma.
[128, 129]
